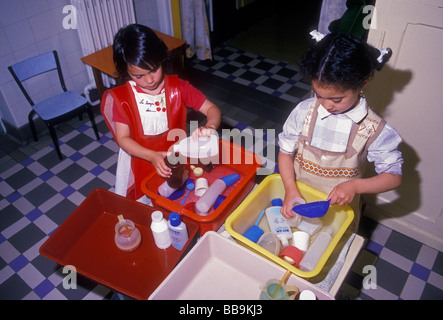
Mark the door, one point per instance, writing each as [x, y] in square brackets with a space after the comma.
[408, 93]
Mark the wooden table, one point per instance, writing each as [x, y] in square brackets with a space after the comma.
[102, 61]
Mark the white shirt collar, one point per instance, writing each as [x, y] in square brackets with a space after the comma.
[355, 114]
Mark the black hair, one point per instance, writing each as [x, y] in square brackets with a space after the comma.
[138, 45]
[342, 60]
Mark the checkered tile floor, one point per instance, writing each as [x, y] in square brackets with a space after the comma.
[38, 192]
[267, 75]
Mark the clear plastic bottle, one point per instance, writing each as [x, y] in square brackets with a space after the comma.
[205, 203]
[316, 249]
[177, 231]
[159, 228]
[310, 225]
[166, 191]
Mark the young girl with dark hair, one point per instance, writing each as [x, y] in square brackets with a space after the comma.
[145, 109]
[327, 139]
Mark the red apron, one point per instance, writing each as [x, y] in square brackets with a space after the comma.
[127, 105]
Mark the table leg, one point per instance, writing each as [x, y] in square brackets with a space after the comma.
[98, 82]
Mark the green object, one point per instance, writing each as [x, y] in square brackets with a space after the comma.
[352, 20]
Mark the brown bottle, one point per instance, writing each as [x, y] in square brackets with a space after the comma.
[176, 178]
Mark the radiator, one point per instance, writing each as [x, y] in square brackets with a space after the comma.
[97, 23]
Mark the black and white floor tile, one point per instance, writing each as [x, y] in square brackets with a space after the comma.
[38, 192]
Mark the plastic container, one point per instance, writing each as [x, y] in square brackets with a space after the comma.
[300, 240]
[159, 228]
[277, 223]
[292, 255]
[232, 159]
[316, 249]
[86, 240]
[207, 200]
[295, 221]
[270, 242]
[338, 218]
[202, 151]
[310, 225]
[219, 269]
[177, 231]
[306, 295]
[127, 236]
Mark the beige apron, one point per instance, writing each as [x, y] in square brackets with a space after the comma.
[323, 170]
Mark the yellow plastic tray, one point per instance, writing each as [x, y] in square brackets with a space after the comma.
[246, 214]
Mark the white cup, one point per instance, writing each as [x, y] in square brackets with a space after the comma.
[201, 185]
[300, 239]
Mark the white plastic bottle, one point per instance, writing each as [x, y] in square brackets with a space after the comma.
[159, 228]
[205, 203]
[316, 250]
[177, 231]
[277, 223]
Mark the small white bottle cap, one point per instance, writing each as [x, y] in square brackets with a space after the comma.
[307, 295]
[157, 216]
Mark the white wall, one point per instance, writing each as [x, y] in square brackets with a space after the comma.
[27, 28]
[146, 12]
[30, 27]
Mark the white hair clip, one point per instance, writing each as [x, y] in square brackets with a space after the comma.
[317, 35]
[383, 52]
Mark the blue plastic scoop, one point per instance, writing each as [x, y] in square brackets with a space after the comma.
[315, 209]
[189, 186]
[255, 232]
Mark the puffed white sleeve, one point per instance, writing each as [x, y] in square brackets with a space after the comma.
[288, 138]
[384, 151]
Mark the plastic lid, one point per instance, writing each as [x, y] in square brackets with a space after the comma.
[277, 202]
[157, 216]
[230, 179]
[174, 219]
[292, 255]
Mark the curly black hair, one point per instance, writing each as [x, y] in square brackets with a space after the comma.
[342, 60]
[138, 45]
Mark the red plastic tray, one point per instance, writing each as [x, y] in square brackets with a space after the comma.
[86, 241]
[232, 159]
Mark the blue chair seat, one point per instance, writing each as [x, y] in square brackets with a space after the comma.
[57, 108]
[59, 105]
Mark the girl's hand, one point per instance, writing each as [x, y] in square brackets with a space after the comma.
[202, 132]
[288, 204]
[343, 193]
[158, 161]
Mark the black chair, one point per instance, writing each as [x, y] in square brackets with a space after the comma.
[56, 109]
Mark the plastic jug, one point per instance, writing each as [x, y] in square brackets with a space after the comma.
[204, 150]
[283, 293]
[127, 236]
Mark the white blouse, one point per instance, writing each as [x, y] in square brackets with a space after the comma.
[152, 109]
